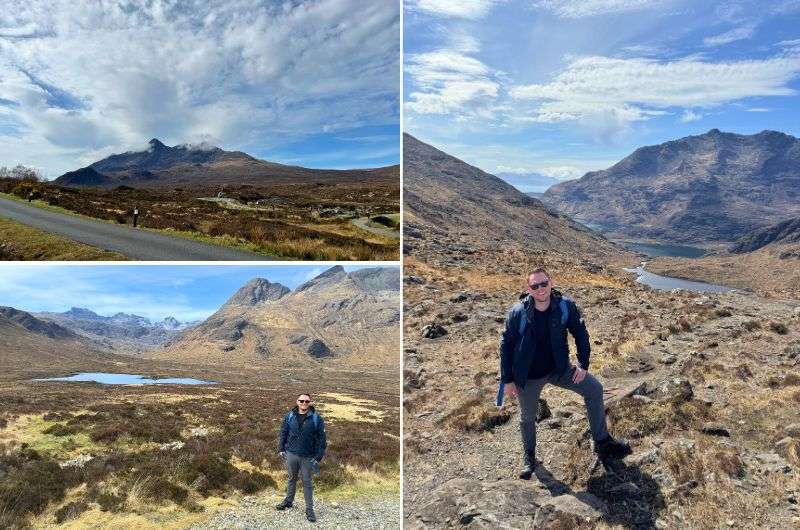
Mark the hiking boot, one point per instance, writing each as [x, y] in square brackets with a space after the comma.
[612, 448]
[310, 515]
[529, 467]
[283, 505]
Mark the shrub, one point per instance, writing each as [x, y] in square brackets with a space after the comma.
[779, 328]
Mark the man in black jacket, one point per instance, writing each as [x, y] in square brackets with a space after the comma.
[302, 445]
[534, 352]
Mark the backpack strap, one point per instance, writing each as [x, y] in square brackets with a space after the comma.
[290, 416]
[315, 419]
[564, 310]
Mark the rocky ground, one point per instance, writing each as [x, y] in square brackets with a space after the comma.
[260, 513]
[706, 388]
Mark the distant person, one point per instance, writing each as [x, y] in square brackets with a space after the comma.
[302, 445]
[534, 352]
[135, 216]
[30, 196]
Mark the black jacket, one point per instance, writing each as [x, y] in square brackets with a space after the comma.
[516, 350]
[307, 441]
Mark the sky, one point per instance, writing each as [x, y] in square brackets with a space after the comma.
[187, 293]
[562, 87]
[313, 83]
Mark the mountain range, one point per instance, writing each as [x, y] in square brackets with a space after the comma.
[714, 187]
[346, 318]
[122, 332]
[204, 165]
[529, 182]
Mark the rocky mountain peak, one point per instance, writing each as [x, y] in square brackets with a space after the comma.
[82, 312]
[155, 143]
[334, 274]
[256, 291]
[376, 279]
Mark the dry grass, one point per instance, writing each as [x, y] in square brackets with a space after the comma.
[290, 230]
[19, 242]
[132, 479]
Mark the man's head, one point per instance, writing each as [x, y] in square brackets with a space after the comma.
[303, 402]
[539, 284]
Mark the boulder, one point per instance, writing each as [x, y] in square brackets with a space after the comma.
[715, 429]
[433, 331]
[567, 512]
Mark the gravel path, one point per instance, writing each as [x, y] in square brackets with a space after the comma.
[137, 244]
[260, 513]
[363, 223]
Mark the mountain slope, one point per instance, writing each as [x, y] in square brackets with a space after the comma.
[446, 199]
[162, 166]
[346, 319]
[708, 188]
[784, 232]
[29, 345]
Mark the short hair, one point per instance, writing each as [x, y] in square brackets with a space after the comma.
[536, 271]
[304, 394]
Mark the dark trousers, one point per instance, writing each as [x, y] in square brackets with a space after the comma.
[590, 389]
[299, 465]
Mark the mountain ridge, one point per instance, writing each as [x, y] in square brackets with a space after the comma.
[713, 187]
[163, 166]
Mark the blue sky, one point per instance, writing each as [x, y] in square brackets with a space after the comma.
[561, 87]
[305, 82]
[154, 291]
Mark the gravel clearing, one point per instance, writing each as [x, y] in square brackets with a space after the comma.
[260, 513]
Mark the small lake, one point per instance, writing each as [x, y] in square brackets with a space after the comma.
[658, 249]
[667, 283]
[127, 379]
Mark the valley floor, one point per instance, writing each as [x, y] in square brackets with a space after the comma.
[165, 456]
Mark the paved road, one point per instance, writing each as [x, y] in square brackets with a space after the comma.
[137, 244]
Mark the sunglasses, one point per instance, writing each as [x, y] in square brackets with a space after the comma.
[304, 401]
[535, 286]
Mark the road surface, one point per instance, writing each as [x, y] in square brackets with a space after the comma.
[134, 243]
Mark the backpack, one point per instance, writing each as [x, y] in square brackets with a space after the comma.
[314, 418]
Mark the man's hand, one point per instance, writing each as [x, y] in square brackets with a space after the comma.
[579, 375]
[282, 453]
[511, 390]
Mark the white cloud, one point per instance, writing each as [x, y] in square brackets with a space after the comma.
[758, 109]
[608, 94]
[740, 33]
[589, 8]
[562, 172]
[252, 74]
[469, 9]
[690, 116]
[447, 81]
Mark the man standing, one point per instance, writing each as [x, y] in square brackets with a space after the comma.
[534, 352]
[302, 445]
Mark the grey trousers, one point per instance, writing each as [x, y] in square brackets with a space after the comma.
[299, 465]
[590, 388]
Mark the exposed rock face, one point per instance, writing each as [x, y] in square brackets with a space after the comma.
[162, 166]
[122, 332]
[256, 291]
[782, 233]
[712, 187]
[353, 317]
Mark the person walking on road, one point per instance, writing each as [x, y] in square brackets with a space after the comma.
[302, 445]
